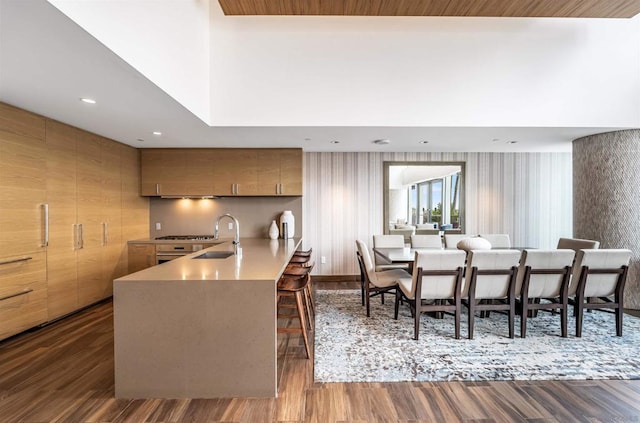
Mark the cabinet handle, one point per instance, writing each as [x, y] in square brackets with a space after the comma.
[75, 236]
[26, 291]
[237, 189]
[105, 234]
[15, 260]
[45, 209]
[81, 237]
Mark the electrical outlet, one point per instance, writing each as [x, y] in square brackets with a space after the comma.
[230, 226]
[323, 260]
[158, 226]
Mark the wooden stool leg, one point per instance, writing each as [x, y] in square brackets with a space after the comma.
[303, 324]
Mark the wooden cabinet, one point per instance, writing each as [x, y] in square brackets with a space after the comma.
[141, 256]
[222, 172]
[23, 229]
[87, 183]
[23, 292]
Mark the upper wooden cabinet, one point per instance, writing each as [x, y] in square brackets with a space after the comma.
[222, 172]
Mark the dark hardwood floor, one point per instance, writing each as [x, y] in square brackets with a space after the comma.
[64, 373]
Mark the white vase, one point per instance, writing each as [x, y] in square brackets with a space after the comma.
[287, 217]
[273, 230]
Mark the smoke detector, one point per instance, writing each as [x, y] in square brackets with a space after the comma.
[382, 141]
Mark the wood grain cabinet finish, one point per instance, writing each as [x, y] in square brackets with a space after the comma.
[222, 172]
[23, 228]
[69, 199]
[141, 256]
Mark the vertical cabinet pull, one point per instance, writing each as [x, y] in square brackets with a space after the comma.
[81, 236]
[75, 236]
[45, 210]
[105, 233]
[157, 189]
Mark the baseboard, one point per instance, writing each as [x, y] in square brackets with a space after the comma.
[335, 278]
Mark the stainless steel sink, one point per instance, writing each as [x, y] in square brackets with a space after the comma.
[214, 255]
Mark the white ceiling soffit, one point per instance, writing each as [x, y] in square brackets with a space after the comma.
[47, 63]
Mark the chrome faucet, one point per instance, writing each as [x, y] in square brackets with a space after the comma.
[236, 239]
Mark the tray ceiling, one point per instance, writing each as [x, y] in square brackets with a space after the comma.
[485, 8]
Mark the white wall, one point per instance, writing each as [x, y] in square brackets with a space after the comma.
[525, 195]
[424, 71]
[165, 40]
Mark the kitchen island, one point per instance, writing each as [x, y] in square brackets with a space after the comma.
[201, 328]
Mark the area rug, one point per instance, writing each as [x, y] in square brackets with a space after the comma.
[349, 347]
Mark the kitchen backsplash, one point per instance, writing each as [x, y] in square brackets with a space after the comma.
[198, 216]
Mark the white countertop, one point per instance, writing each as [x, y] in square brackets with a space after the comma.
[261, 259]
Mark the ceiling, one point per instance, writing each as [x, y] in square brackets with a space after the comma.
[495, 8]
[47, 63]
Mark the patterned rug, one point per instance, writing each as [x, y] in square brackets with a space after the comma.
[349, 347]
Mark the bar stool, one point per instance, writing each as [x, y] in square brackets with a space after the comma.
[295, 286]
[303, 260]
[301, 253]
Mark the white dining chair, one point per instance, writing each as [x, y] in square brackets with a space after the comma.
[451, 240]
[388, 241]
[426, 241]
[576, 244]
[544, 275]
[436, 285]
[490, 284]
[375, 283]
[599, 275]
[497, 240]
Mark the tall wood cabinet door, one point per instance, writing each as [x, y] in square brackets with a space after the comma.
[135, 208]
[89, 189]
[62, 278]
[22, 183]
[23, 287]
[200, 171]
[163, 171]
[235, 172]
[269, 172]
[112, 243]
[291, 172]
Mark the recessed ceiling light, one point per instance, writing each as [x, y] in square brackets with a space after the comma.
[88, 100]
[335, 142]
[140, 140]
[307, 139]
[383, 141]
[495, 140]
[158, 133]
[512, 142]
[424, 142]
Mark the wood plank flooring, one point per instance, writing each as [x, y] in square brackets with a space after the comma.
[64, 373]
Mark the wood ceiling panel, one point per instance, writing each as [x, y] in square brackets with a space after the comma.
[486, 8]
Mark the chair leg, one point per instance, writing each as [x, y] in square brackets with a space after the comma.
[619, 314]
[457, 317]
[307, 307]
[416, 321]
[563, 320]
[523, 318]
[397, 306]
[472, 312]
[512, 316]
[303, 324]
[579, 310]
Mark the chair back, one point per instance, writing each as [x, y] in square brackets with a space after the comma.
[599, 284]
[576, 244]
[426, 266]
[388, 241]
[493, 271]
[497, 240]
[426, 241]
[544, 285]
[451, 240]
[369, 267]
[427, 231]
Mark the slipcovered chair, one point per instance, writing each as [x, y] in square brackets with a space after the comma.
[600, 274]
[490, 284]
[437, 276]
[497, 240]
[544, 274]
[375, 283]
[451, 240]
[426, 241]
[576, 244]
[388, 241]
